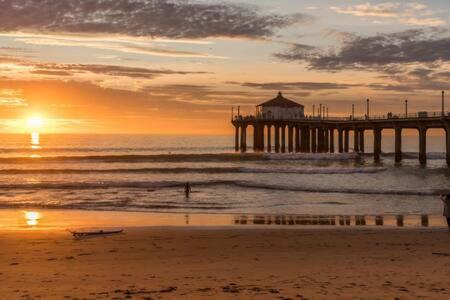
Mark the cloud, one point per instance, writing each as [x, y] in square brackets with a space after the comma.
[110, 70]
[376, 52]
[61, 69]
[308, 86]
[119, 45]
[11, 98]
[200, 94]
[405, 13]
[388, 9]
[173, 19]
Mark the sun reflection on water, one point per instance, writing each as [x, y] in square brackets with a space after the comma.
[32, 218]
[35, 141]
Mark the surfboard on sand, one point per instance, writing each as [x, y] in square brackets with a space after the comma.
[83, 233]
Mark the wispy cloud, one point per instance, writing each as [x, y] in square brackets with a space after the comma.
[11, 98]
[406, 13]
[13, 65]
[119, 45]
[300, 85]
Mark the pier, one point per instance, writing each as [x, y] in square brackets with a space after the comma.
[316, 134]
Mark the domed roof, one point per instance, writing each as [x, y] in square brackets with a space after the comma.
[280, 101]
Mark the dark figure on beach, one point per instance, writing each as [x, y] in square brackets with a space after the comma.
[446, 200]
[187, 189]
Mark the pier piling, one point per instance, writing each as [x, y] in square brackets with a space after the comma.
[398, 144]
[236, 139]
[277, 139]
[356, 139]
[361, 141]
[313, 140]
[283, 138]
[297, 138]
[422, 145]
[331, 136]
[341, 140]
[346, 140]
[377, 144]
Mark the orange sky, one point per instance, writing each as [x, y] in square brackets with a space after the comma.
[145, 70]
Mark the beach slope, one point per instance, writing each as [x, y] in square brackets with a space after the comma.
[221, 263]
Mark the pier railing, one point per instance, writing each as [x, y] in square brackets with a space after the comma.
[388, 116]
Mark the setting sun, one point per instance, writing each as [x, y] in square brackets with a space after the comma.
[35, 122]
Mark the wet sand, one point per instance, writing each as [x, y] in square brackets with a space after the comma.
[227, 263]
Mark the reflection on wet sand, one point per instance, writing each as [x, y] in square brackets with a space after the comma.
[332, 220]
[62, 219]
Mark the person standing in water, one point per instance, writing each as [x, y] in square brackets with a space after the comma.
[187, 189]
[446, 199]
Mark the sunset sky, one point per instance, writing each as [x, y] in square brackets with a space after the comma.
[177, 67]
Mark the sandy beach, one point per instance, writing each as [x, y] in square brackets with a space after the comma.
[227, 263]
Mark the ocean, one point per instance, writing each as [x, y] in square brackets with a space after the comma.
[148, 173]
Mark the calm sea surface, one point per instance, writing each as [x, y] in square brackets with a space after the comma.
[147, 173]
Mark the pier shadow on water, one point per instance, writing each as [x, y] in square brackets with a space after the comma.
[343, 221]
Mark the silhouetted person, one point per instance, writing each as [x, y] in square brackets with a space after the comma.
[446, 200]
[187, 189]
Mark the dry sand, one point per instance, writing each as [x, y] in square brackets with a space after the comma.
[227, 263]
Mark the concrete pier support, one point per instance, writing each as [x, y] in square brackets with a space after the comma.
[244, 139]
[346, 140]
[361, 141]
[423, 145]
[320, 140]
[255, 138]
[331, 139]
[313, 139]
[305, 144]
[290, 138]
[261, 138]
[341, 140]
[236, 139]
[269, 138]
[277, 139]
[283, 138]
[356, 139]
[398, 144]
[326, 144]
[377, 144]
[297, 138]
[447, 138]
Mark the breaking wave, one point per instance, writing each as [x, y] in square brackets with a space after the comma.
[213, 170]
[205, 157]
[212, 183]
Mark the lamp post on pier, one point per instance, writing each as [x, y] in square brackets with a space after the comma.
[353, 111]
[443, 109]
[368, 111]
[406, 108]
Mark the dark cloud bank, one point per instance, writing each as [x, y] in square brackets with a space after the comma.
[376, 52]
[152, 18]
